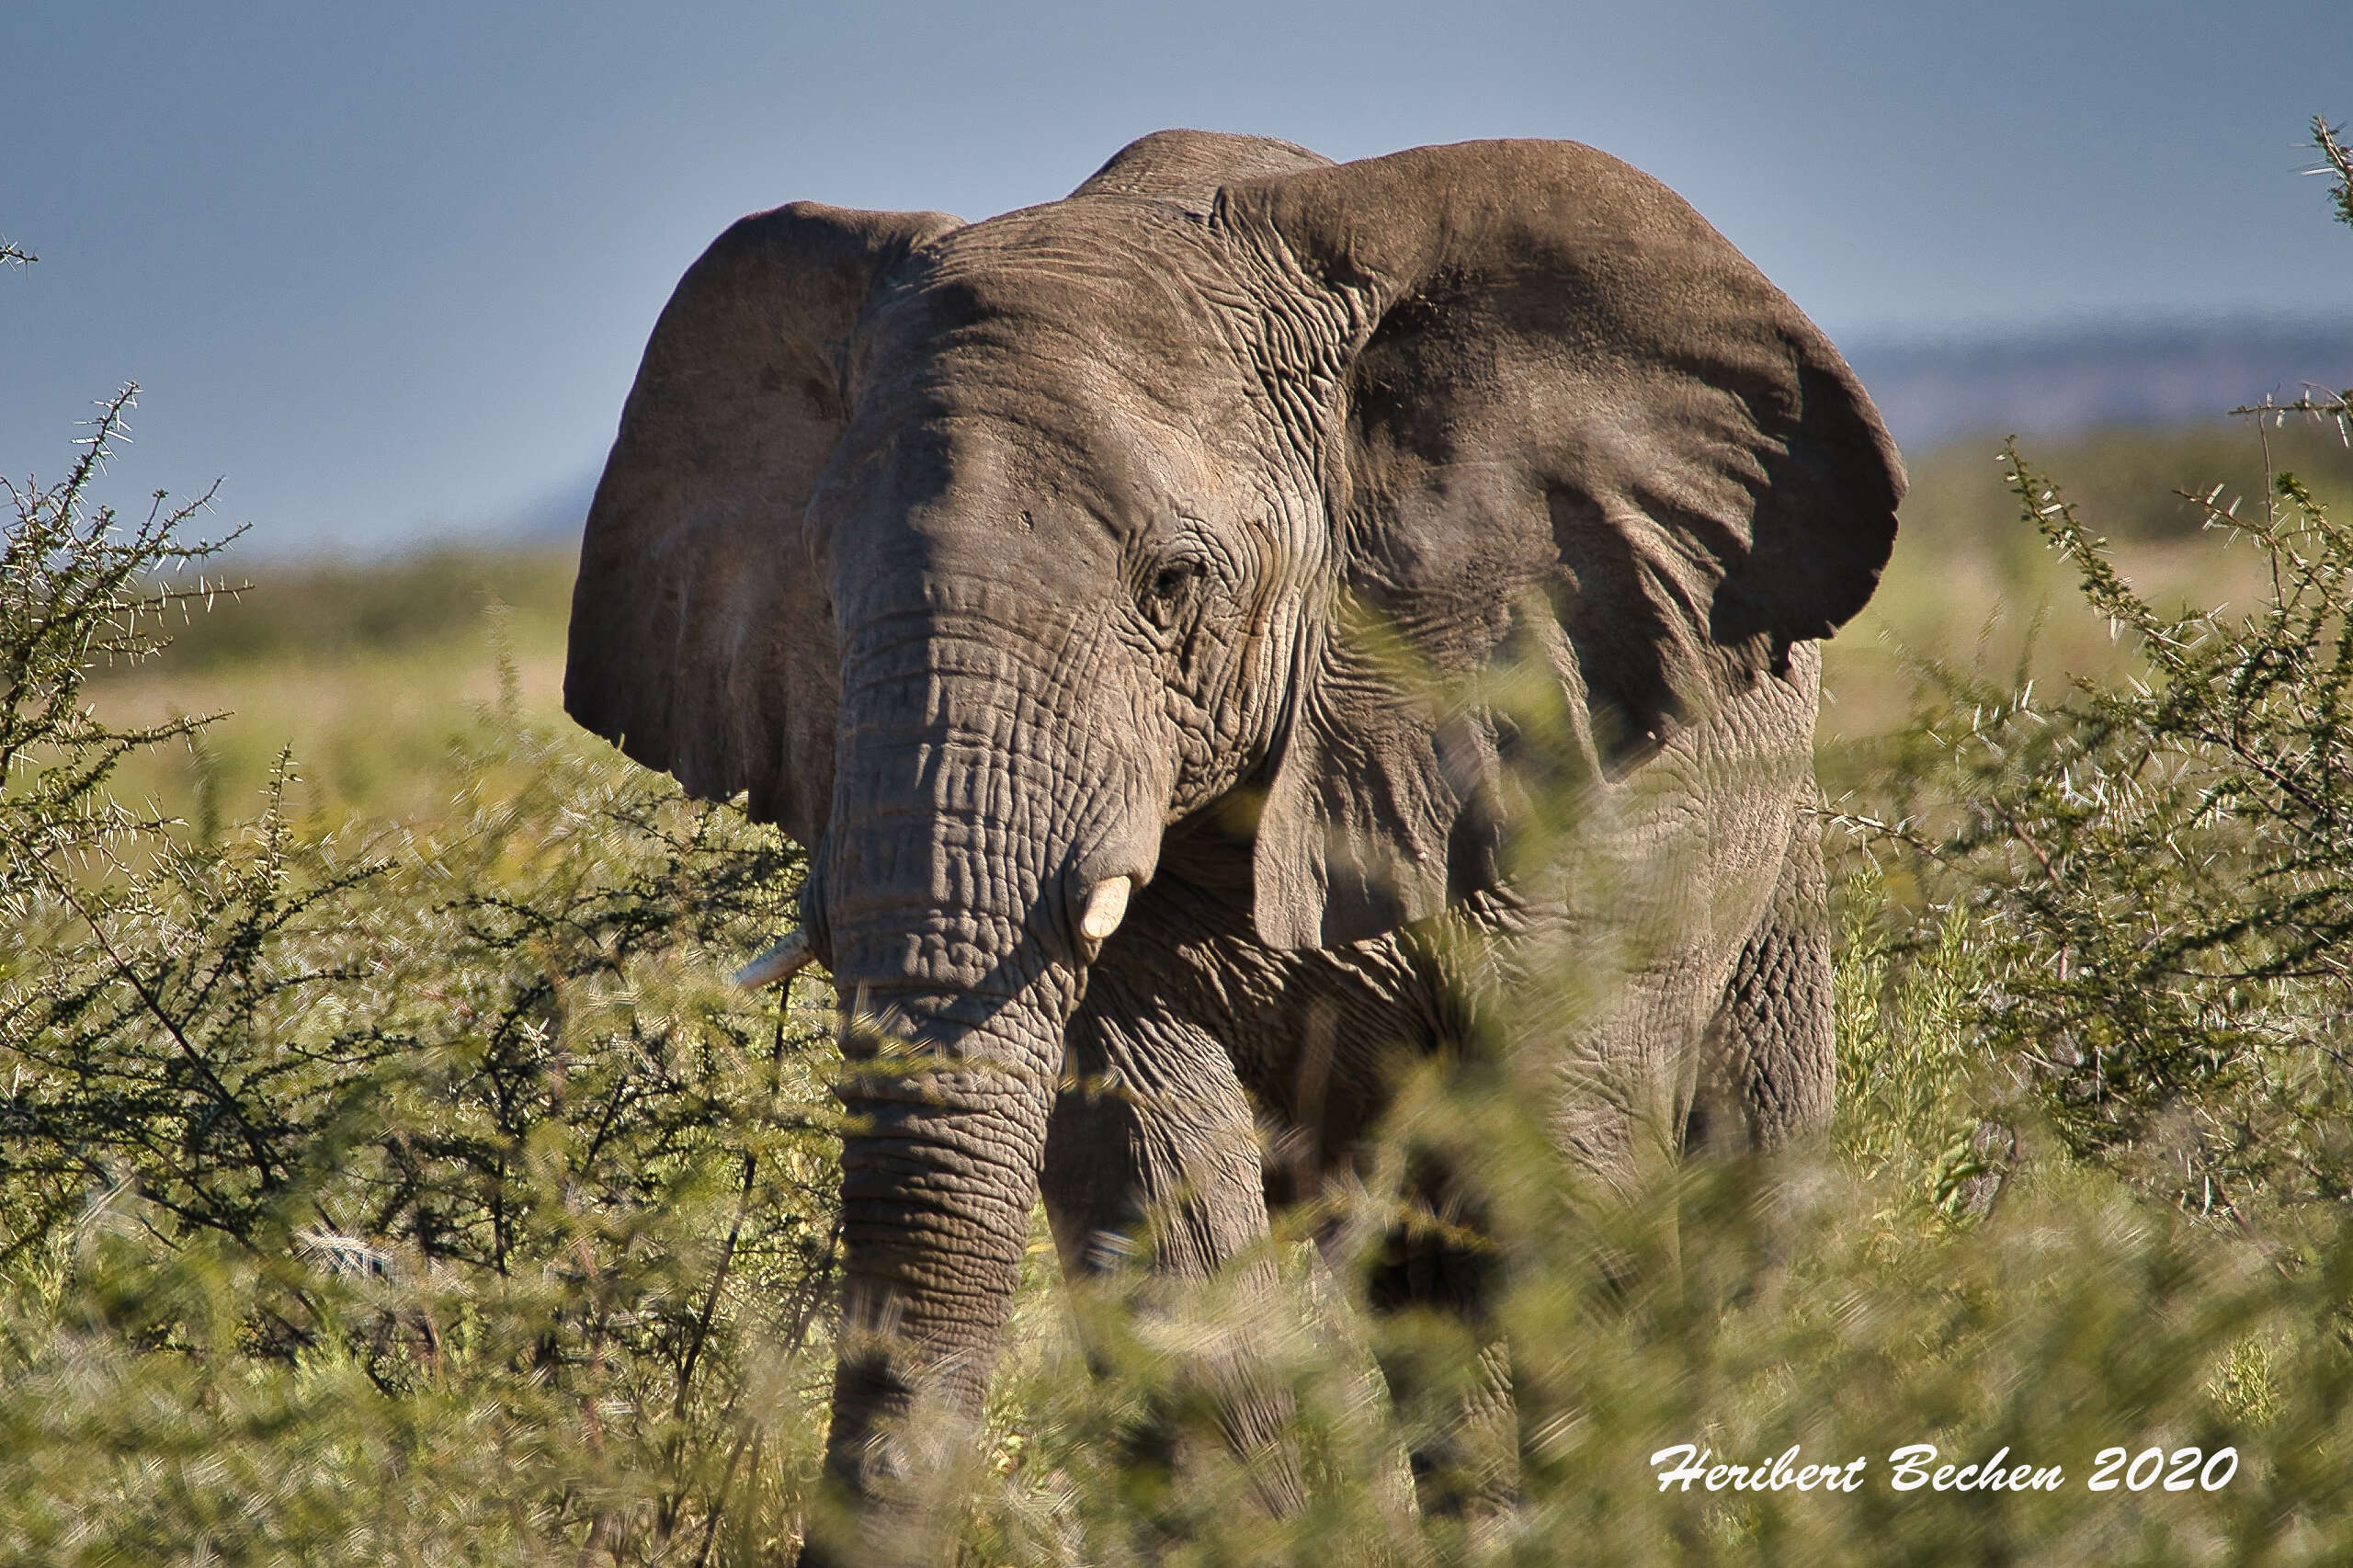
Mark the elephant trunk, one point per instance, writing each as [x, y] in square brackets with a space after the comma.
[961, 897]
[947, 1121]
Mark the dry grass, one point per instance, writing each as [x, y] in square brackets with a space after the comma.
[367, 675]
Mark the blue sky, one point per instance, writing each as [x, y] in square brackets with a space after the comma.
[387, 269]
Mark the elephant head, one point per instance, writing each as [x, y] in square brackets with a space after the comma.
[1012, 566]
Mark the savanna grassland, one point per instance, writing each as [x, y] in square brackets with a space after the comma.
[389, 1175]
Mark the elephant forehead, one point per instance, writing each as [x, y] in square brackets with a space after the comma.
[1076, 309]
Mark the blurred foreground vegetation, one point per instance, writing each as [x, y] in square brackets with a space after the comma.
[388, 1174]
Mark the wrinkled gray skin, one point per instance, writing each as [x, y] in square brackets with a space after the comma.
[996, 561]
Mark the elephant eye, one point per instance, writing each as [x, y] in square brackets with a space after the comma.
[1170, 588]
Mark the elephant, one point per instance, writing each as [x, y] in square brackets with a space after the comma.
[1111, 595]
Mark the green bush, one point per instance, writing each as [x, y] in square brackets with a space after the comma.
[383, 1194]
[2159, 873]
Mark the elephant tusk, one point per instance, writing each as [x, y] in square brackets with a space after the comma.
[1105, 906]
[781, 960]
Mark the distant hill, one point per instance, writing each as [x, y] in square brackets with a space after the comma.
[2064, 382]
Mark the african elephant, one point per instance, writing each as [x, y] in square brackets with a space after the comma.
[1055, 579]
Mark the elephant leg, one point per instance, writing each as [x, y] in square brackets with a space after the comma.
[1152, 1154]
[1767, 1060]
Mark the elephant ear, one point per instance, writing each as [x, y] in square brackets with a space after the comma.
[701, 639]
[1567, 427]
